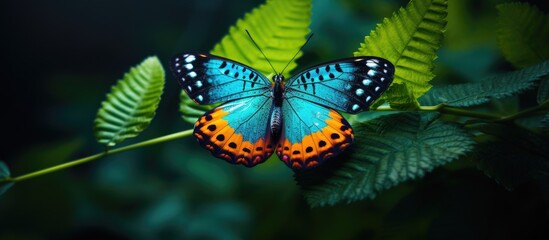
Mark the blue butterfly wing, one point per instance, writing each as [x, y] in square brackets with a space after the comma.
[349, 85]
[311, 134]
[211, 79]
[238, 131]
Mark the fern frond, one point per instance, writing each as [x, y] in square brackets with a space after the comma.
[131, 104]
[410, 39]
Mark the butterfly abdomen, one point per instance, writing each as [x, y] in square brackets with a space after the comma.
[276, 122]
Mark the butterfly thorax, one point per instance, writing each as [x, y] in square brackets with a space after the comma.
[276, 110]
[278, 89]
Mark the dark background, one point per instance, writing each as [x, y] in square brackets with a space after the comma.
[60, 58]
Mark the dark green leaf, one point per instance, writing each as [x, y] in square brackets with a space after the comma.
[499, 86]
[514, 157]
[543, 90]
[4, 173]
[545, 123]
[523, 33]
[387, 151]
[132, 103]
[410, 39]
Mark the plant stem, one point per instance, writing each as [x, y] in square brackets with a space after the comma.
[449, 110]
[524, 112]
[99, 155]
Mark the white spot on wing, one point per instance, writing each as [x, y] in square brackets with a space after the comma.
[377, 88]
[198, 84]
[191, 74]
[200, 98]
[188, 66]
[190, 58]
[382, 79]
[368, 98]
[371, 73]
[366, 82]
[359, 92]
[190, 88]
[355, 107]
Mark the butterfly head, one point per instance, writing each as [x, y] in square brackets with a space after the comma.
[278, 78]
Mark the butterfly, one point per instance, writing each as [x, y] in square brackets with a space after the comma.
[295, 118]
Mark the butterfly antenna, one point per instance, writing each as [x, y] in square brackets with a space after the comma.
[258, 48]
[308, 38]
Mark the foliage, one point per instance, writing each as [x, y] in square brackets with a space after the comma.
[498, 86]
[388, 150]
[513, 156]
[522, 33]
[131, 105]
[409, 39]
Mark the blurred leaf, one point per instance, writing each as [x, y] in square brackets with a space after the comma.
[409, 39]
[545, 123]
[190, 110]
[514, 157]
[279, 39]
[132, 103]
[471, 63]
[4, 173]
[543, 90]
[498, 86]
[388, 150]
[400, 97]
[523, 33]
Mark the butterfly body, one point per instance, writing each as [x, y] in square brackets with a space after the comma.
[295, 118]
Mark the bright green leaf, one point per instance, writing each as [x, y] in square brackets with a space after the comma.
[499, 86]
[400, 99]
[132, 103]
[190, 110]
[410, 39]
[523, 33]
[387, 151]
[278, 27]
[514, 157]
[4, 173]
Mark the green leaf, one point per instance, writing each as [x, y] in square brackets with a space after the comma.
[132, 103]
[400, 99]
[279, 39]
[4, 174]
[523, 33]
[387, 151]
[514, 157]
[410, 39]
[190, 110]
[499, 86]
[543, 90]
[278, 27]
[545, 124]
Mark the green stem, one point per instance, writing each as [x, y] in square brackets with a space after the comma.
[449, 110]
[97, 156]
[525, 112]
